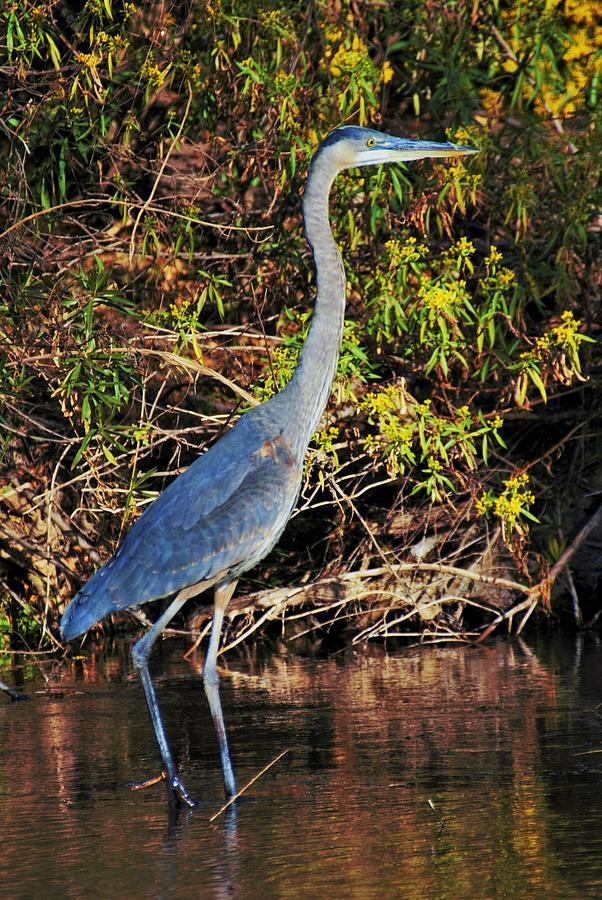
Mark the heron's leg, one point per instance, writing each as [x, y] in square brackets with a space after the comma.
[211, 682]
[140, 654]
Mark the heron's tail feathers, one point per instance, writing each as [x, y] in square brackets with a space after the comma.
[88, 606]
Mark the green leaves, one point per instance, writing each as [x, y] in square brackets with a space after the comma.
[436, 450]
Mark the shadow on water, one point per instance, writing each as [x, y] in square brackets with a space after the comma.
[450, 772]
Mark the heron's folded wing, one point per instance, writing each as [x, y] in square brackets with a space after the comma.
[212, 522]
[185, 543]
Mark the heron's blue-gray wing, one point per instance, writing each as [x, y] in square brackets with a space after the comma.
[215, 520]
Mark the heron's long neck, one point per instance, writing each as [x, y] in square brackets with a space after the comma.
[313, 378]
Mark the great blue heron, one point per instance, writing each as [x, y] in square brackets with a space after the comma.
[226, 512]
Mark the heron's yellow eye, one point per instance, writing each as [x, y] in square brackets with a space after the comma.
[370, 142]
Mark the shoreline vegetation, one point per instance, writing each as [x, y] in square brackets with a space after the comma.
[156, 283]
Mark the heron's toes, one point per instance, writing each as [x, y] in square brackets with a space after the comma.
[175, 785]
[179, 789]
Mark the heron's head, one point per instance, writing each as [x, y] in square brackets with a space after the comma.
[351, 146]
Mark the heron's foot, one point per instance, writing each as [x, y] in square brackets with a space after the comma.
[178, 788]
[175, 785]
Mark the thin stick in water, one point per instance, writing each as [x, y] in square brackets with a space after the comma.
[248, 785]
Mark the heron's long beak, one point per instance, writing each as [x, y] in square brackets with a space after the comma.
[400, 149]
[422, 149]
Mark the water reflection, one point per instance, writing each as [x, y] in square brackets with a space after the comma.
[444, 772]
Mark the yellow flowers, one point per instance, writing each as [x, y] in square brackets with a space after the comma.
[506, 277]
[386, 74]
[379, 403]
[460, 254]
[153, 73]
[494, 257]
[270, 18]
[560, 336]
[88, 60]
[410, 434]
[491, 101]
[348, 62]
[580, 46]
[324, 453]
[565, 66]
[283, 364]
[433, 464]
[394, 436]
[408, 252]
[460, 185]
[325, 439]
[111, 41]
[463, 247]
[556, 353]
[350, 57]
[566, 332]
[443, 296]
[500, 277]
[470, 135]
[510, 507]
[456, 170]
[213, 8]
[587, 12]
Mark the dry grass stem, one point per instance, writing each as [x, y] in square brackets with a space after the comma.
[255, 778]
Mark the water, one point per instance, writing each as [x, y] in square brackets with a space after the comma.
[435, 773]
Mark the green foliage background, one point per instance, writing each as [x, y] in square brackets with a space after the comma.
[155, 281]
